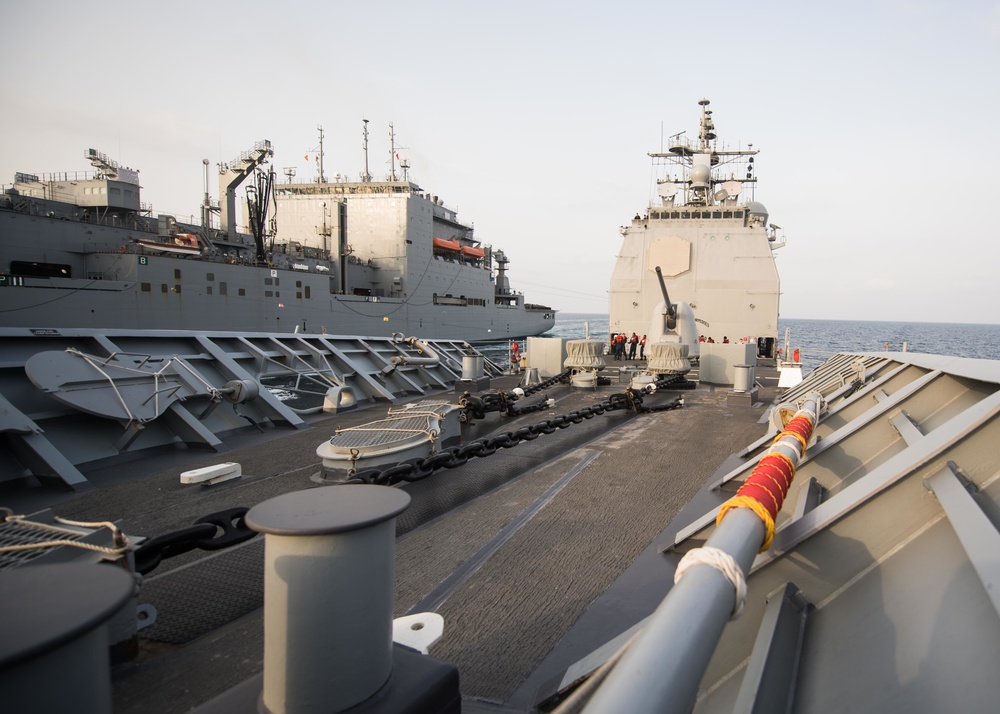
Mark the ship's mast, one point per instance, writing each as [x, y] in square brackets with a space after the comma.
[707, 132]
[700, 162]
[206, 206]
[366, 177]
[392, 152]
[322, 177]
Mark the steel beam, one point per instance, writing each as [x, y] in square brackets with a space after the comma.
[769, 679]
[975, 531]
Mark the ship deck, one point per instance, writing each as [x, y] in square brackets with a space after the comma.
[515, 552]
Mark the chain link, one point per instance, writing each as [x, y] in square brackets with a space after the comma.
[477, 406]
[212, 532]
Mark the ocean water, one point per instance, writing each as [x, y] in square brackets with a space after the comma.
[820, 339]
[817, 340]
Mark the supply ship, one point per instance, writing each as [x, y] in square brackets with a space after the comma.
[366, 257]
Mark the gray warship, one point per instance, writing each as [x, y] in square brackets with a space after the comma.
[710, 239]
[694, 543]
[367, 257]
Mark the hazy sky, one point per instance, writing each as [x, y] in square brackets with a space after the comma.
[878, 122]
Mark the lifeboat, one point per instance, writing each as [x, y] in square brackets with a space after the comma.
[180, 244]
[449, 245]
[469, 252]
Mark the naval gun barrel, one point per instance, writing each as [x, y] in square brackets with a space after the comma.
[671, 308]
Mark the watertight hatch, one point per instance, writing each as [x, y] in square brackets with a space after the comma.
[387, 432]
[414, 431]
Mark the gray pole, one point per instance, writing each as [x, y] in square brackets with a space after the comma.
[328, 585]
[661, 672]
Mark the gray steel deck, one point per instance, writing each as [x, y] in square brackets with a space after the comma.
[544, 558]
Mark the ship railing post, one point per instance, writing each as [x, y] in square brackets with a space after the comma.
[328, 587]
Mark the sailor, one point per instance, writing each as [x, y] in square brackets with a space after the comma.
[725, 340]
[642, 347]
[633, 344]
[515, 357]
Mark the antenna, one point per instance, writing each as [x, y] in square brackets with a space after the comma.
[366, 176]
[206, 206]
[392, 153]
[289, 172]
[322, 178]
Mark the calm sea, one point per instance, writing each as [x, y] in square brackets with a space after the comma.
[819, 339]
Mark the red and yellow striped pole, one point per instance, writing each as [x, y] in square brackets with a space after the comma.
[765, 489]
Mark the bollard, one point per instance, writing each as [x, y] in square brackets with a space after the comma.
[743, 381]
[328, 586]
[54, 647]
[472, 367]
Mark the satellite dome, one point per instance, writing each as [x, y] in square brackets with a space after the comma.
[757, 210]
[700, 175]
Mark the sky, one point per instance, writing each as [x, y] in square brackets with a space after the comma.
[877, 122]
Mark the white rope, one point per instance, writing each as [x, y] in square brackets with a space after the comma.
[725, 564]
[214, 393]
[93, 362]
[121, 542]
[89, 360]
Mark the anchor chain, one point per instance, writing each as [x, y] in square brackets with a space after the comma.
[223, 529]
[419, 468]
[212, 532]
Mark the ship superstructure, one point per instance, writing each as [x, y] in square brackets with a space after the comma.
[369, 257]
[711, 240]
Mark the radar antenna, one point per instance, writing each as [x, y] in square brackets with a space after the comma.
[107, 168]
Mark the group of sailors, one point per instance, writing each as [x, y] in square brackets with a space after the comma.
[622, 344]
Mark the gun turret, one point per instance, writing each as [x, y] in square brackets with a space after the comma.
[671, 313]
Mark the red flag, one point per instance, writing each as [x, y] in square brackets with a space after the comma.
[307, 157]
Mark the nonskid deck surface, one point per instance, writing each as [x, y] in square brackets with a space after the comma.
[511, 550]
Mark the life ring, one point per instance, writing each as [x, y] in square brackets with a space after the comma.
[122, 249]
